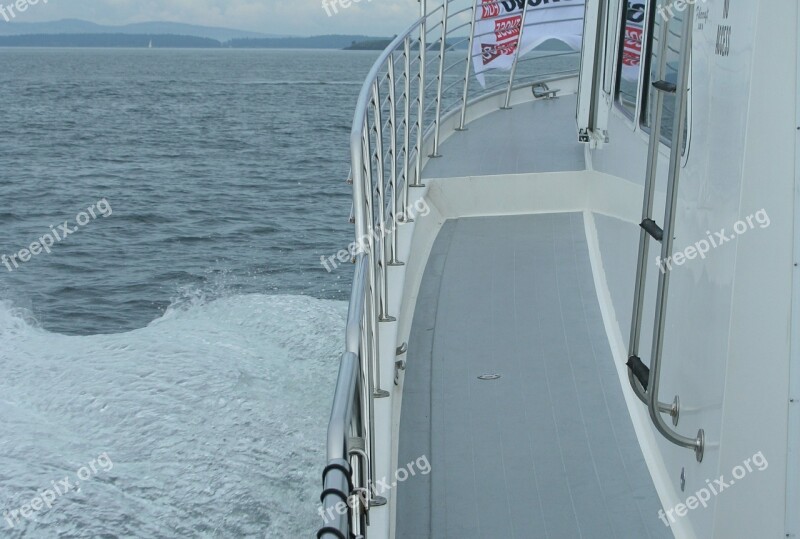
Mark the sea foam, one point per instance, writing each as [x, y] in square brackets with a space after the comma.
[214, 416]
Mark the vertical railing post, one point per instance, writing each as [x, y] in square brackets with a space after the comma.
[393, 148]
[407, 121]
[380, 179]
[440, 80]
[371, 339]
[423, 30]
[373, 294]
[465, 96]
[357, 156]
[366, 391]
[517, 54]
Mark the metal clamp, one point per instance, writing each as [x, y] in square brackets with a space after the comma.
[358, 449]
[544, 91]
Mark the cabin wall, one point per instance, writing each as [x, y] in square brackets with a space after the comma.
[793, 445]
[728, 316]
[756, 406]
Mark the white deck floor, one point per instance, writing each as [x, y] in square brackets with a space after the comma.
[546, 451]
[491, 145]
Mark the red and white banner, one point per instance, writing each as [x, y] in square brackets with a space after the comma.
[633, 41]
[498, 24]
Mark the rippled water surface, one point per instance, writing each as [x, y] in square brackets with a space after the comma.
[188, 331]
[224, 170]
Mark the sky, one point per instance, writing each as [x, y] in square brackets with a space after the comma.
[286, 17]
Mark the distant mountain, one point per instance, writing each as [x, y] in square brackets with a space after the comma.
[371, 45]
[76, 26]
[79, 33]
[172, 41]
[110, 41]
[314, 42]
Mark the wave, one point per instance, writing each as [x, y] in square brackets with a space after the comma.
[214, 416]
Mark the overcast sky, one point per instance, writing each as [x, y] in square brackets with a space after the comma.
[301, 17]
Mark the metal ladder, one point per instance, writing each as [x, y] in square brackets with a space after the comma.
[644, 380]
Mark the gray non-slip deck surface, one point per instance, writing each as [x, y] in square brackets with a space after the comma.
[546, 451]
[538, 136]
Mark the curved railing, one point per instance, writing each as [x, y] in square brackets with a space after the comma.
[397, 126]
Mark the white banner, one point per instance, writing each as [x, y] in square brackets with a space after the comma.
[498, 24]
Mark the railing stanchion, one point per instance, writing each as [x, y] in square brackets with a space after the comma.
[393, 143]
[372, 277]
[423, 30]
[368, 390]
[465, 96]
[407, 122]
[440, 80]
[517, 54]
[380, 227]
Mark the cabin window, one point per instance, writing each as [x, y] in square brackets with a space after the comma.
[630, 65]
[673, 52]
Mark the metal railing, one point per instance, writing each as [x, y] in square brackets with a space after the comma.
[397, 126]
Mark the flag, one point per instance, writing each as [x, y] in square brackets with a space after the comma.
[498, 24]
[633, 41]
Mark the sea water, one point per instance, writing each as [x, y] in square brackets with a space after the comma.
[191, 335]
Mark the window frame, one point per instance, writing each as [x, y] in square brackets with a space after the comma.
[611, 52]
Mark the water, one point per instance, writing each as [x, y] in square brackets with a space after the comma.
[192, 335]
[224, 169]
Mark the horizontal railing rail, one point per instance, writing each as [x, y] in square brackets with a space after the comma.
[397, 125]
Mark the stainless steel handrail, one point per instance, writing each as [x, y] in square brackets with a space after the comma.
[648, 387]
[440, 81]
[336, 479]
[696, 444]
[644, 241]
[392, 133]
[348, 413]
[465, 95]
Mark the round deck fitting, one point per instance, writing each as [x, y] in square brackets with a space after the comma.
[676, 411]
[701, 444]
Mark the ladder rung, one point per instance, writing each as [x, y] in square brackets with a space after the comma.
[664, 86]
[640, 370]
[653, 229]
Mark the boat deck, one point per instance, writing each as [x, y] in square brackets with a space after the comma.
[548, 449]
[493, 145]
